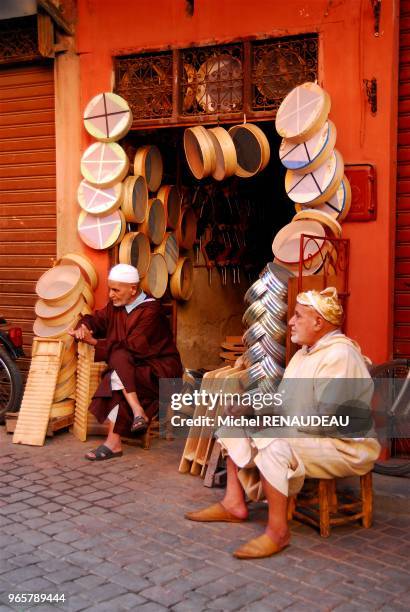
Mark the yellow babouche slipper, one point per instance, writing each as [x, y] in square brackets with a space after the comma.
[213, 514]
[258, 548]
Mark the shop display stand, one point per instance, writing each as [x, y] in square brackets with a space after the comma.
[33, 418]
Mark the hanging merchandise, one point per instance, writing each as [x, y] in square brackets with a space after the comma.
[303, 112]
[181, 282]
[85, 264]
[135, 199]
[156, 279]
[225, 153]
[337, 206]
[104, 165]
[101, 232]
[252, 149]
[208, 93]
[328, 222]
[135, 251]
[199, 151]
[107, 117]
[186, 230]
[307, 156]
[171, 199]
[286, 244]
[154, 224]
[99, 201]
[148, 163]
[169, 250]
[318, 186]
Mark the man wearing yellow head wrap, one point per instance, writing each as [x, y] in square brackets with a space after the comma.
[274, 467]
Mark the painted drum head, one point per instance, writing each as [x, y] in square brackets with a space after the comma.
[104, 164]
[99, 201]
[307, 156]
[107, 117]
[286, 244]
[303, 112]
[338, 205]
[318, 186]
[101, 232]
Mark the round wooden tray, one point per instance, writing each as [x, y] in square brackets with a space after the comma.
[104, 164]
[169, 250]
[186, 231]
[199, 151]
[225, 153]
[58, 284]
[286, 244]
[135, 251]
[252, 149]
[148, 163]
[154, 224]
[170, 197]
[302, 112]
[101, 233]
[181, 283]
[107, 117]
[156, 279]
[135, 199]
[85, 264]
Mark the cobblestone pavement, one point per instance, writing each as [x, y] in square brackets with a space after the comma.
[111, 536]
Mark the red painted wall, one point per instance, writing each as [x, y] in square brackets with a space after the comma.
[349, 53]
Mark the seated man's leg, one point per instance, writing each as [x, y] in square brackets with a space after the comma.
[131, 397]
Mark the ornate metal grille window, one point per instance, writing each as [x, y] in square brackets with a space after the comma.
[280, 65]
[211, 80]
[145, 81]
[18, 40]
[215, 83]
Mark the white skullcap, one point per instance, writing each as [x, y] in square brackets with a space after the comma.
[123, 273]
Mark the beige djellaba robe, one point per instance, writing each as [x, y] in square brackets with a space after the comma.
[286, 461]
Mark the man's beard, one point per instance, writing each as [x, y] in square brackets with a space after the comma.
[295, 338]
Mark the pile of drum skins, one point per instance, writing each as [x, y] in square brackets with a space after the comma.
[265, 338]
[65, 293]
[113, 202]
[242, 150]
[314, 180]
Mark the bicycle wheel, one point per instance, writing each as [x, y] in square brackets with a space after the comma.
[11, 385]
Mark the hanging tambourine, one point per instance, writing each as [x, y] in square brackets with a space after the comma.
[318, 186]
[101, 232]
[107, 117]
[307, 156]
[104, 164]
[338, 205]
[303, 112]
[99, 201]
[328, 223]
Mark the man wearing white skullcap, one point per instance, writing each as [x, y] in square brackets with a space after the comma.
[267, 466]
[132, 334]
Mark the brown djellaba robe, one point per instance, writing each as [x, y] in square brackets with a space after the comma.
[140, 348]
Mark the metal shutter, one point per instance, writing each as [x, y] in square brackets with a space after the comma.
[27, 190]
[401, 336]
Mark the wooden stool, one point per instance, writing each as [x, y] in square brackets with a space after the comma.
[323, 509]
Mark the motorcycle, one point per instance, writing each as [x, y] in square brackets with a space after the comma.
[11, 380]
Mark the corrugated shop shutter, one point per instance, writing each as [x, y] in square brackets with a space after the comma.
[27, 190]
[402, 277]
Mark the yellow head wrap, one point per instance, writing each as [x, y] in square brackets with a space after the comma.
[325, 302]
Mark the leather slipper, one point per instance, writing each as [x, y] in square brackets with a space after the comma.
[139, 424]
[102, 453]
[215, 513]
[258, 548]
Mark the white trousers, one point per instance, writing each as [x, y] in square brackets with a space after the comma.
[116, 385]
[284, 462]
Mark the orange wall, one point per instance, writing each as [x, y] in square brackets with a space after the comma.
[349, 52]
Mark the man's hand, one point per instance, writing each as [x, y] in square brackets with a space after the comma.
[83, 334]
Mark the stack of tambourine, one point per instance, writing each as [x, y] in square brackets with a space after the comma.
[109, 203]
[266, 334]
[314, 180]
[65, 293]
[242, 150]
